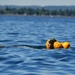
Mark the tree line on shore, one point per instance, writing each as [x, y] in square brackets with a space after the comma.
[36, 12]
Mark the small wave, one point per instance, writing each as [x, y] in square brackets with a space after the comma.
[13, 33]
[5, 40]
[72, 48]
[21, 46]
[13, 61]
[2, 58]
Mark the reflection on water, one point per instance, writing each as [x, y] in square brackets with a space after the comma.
[22, 46]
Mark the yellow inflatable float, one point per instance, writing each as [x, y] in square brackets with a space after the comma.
[54, 44]
[57, 45]
[66, 45]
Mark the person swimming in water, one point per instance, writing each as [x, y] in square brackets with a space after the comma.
[49, 43]
[54, 44]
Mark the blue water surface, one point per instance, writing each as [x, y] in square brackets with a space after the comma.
[22, 45]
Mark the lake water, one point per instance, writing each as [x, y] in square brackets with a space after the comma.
[23, 52]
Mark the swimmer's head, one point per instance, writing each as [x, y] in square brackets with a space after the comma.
[51, 42]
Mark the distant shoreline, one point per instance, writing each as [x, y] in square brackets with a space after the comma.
[39, 11]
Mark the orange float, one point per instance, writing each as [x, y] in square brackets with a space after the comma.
[66, 45]
[57, 45]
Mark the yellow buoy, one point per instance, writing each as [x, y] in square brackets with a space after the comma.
[66, 45]
[57, 45]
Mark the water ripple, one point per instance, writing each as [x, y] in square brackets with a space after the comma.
[22, 45]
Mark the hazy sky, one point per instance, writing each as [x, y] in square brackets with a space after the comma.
[37, 2]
